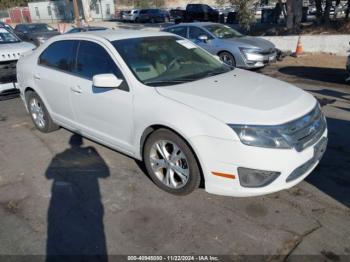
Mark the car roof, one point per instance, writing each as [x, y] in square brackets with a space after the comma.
[116, 34]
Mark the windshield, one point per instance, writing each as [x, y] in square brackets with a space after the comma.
[7, 37]
[39, 28]
[167, 60]
[222, 31]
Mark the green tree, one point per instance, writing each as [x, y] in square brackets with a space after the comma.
[4, 4]
[149, 3]
[245, 15]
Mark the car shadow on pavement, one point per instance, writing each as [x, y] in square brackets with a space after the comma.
[75, 214]
[322, 74]
[332, 175]
[332, 93]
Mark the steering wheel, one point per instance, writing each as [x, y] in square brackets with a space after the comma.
[173, 62]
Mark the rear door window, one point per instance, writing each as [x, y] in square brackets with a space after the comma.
[59, 55]
[181, 31]
[196, 32]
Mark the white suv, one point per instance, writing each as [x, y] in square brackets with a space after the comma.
[134, 15]
[159, 98]
[11, 48]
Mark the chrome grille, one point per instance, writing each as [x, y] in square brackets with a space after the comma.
[305, 131]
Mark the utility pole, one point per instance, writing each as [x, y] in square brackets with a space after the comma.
[76, 13]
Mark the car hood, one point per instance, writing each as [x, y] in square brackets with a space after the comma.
[14, 50]
[243, 97]
[249, 41]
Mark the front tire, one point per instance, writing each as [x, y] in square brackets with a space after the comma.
[171, 163]
[39, 114]
[227, 58]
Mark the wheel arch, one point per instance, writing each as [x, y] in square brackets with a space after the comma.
[28, 89]
[227, 51]
[150, 129]
[26, 92]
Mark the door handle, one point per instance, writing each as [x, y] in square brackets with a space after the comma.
[36, 76]
[76, 89]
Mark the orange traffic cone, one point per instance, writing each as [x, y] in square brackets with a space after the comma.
[299, 50]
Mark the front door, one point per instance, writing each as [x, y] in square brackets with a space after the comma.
[103, 113]
[195, 32]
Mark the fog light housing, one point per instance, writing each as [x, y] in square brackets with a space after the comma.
[256, 178]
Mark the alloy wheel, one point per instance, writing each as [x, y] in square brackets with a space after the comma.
[169, 164]
[37, 112]
[227, 59]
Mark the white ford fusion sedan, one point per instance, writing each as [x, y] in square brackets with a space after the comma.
[159, 98]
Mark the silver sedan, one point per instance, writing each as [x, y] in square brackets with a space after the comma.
[231, 46]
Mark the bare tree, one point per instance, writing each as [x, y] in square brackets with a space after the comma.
[220, 2]
[294, 13]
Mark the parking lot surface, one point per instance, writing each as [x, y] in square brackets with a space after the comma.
[101, 201]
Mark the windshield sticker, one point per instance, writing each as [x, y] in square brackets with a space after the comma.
[187, 44]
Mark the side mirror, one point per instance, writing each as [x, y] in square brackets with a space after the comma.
[203, 38]
[106, 81]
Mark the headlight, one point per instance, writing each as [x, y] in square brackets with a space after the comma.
[261, 136]
[252, 54]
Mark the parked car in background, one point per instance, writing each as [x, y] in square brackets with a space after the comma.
[11, 48]
[237, 132]
[153, 16]
[133, 15]
[232, 47]
[124, 15]
[7, 26]
[201, 13]
[36, 33]
[177, 15]
[86, 29]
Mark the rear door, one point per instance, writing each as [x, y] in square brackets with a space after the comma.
[103, 113]
[51, 77]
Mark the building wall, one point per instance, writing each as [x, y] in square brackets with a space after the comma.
[51, 11]
[47, 11]
[103, 10]
[20, 15]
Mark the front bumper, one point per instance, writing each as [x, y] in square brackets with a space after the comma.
[226, 156]
[267, 59]
[8, 77]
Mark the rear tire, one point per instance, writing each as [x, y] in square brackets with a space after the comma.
[171, 163]
[39, 114]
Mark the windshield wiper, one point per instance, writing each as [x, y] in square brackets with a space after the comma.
[168, 82]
